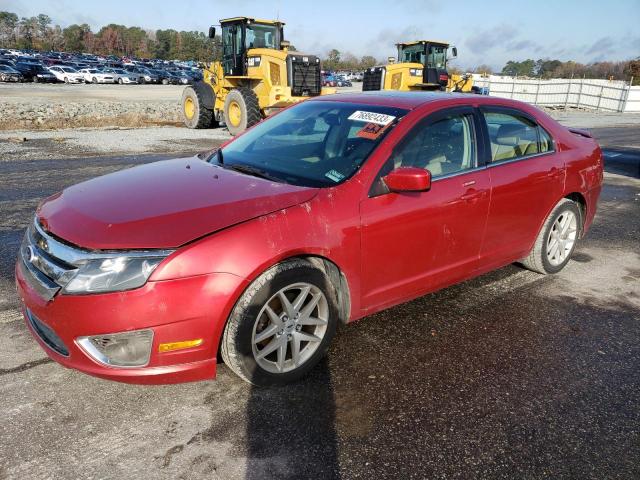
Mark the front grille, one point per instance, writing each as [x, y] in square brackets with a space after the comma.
[47, 260]
[373, 78]
[303, 75]
[47, 335]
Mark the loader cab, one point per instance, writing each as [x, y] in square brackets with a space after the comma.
[241, 34]
[432, 55]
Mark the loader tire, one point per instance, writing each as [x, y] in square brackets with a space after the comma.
[194, 114]
[241, 110]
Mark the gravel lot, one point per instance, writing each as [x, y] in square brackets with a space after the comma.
[511, 375]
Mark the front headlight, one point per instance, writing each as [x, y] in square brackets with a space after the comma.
[112, 274]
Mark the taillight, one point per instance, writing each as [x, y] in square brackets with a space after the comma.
[444, 77]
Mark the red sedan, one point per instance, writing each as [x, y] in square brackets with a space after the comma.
[329, 211]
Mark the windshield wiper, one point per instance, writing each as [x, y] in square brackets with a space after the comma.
[253, 171]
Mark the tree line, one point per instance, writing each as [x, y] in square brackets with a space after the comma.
[546, 68]
[38, 33]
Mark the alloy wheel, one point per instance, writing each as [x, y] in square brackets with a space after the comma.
[290, 327]
[562, 238]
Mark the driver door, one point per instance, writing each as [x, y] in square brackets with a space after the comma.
[233, 49]
[416, 242]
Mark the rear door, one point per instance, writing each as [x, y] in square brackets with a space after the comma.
[416, 242]
[527, 179]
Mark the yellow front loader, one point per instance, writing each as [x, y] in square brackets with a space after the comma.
[421, 65]
[257, 75]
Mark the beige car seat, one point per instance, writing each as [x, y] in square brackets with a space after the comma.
[512, 141]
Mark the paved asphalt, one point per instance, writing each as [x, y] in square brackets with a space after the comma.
[510, 375]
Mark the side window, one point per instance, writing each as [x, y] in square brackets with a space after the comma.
[444, 147]
[511, 136]
[546, 143]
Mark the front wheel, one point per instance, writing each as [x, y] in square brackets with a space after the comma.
[556, 240]
[241, 110]
[282, 325]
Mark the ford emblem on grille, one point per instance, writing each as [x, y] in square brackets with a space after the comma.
[31, 253]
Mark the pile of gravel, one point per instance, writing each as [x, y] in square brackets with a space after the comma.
[88, 114]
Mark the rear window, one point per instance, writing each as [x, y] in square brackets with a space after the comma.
[514, 136]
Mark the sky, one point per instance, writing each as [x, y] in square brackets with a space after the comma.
[484, 31]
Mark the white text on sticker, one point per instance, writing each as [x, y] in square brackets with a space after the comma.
[371, 117]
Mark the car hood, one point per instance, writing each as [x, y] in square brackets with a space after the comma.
[162, 205]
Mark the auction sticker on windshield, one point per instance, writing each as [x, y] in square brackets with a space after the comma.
[371, 117]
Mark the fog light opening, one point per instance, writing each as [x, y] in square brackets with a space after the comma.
[124, 350]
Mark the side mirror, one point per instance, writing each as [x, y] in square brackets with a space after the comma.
[212, 32]
[285, 44]
[454, 52]
[408, 179]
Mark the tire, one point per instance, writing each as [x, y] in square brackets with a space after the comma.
[553, 246]
[194, 114]
[165, 81]
[35, 79]
[66, 79]
[241, 110]
[94, 80]
[120, 82]
[248, 319]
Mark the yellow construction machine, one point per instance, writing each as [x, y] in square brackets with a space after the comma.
[421, 65]
[257, 75]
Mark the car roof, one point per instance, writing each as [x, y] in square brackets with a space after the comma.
[412, 100]
[391, 98]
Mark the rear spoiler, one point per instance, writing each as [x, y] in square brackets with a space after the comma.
[582, 133]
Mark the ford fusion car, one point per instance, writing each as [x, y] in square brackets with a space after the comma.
[329, 211]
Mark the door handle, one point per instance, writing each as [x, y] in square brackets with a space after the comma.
[469, 183]
[472, 195]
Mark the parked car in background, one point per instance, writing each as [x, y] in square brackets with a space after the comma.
[341, 81]
[43, 75]
[148, 76]
[67, 74]
[164, 76]
[121, 76]
[93, 75]
[329, 81]
[10, 74]
[334, 209]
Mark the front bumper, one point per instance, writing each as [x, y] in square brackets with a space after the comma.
[176, 310]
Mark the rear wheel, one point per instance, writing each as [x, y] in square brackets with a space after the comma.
[282, 325]
[556, 240]
[194, 114]
[241, 110]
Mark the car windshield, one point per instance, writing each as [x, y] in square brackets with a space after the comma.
[69, 69]
[119, 71]
[5, 68]
[314, 144]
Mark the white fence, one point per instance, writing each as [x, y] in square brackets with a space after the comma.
[602, 95]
